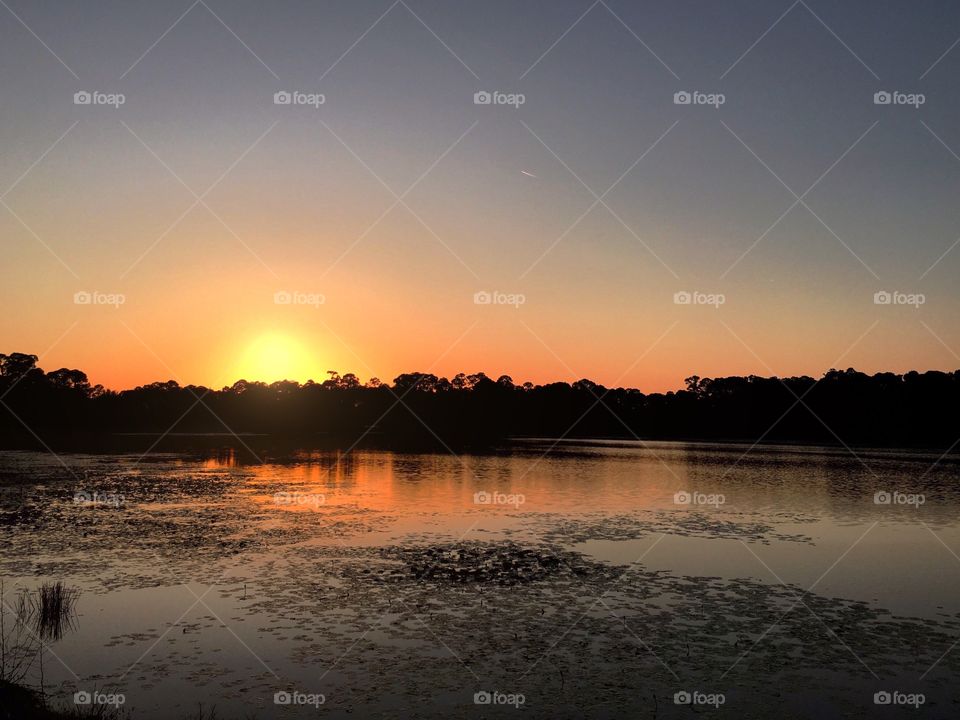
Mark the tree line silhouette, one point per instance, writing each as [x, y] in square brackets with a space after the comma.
[842, 407]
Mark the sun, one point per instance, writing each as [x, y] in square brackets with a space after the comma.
[274, 357]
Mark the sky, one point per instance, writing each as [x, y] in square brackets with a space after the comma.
[586, 223]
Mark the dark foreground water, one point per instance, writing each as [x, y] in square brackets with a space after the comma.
[601, 579]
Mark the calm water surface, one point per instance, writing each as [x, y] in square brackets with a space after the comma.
[595, 579]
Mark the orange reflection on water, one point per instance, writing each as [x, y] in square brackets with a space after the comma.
[314, 480]
[446, 484]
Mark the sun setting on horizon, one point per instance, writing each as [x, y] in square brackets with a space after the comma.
[277, 356]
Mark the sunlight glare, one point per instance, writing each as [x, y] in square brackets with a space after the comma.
[275, 357]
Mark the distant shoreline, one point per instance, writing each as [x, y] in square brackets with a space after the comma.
[247, 442]
[844, 408]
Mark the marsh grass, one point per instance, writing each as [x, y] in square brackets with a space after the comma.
[28, 621]
[19, 645]
[52, 610]
[94, 712]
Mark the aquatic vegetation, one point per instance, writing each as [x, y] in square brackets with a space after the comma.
[52, 609]
[495, 563]
[28, 622]
[742, 526]
[19, 645]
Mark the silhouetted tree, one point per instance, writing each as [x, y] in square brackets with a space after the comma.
[843, 406]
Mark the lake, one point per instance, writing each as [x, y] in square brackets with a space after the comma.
[548, 579]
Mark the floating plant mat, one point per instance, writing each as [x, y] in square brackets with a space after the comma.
[570, 633]
[142, 541]
[563, 632]
[727, 526]
[504, 563]
[715, 617]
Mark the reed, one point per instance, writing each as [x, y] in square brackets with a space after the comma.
[53, 609]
